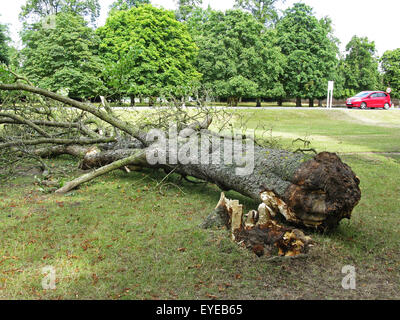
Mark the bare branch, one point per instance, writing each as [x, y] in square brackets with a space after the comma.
[136, 159]
[55, 141]
[27, 122]
[123, 126]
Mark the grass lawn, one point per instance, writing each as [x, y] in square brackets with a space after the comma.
[128, 237]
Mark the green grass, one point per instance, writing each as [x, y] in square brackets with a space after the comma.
[332, 130]
[124, 237]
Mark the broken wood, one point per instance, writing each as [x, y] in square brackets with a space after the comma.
[257, 231]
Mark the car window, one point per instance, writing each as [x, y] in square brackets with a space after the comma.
[383, 95]
[374, 95]
[362, 95]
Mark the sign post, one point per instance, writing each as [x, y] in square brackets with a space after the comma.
[329, 100]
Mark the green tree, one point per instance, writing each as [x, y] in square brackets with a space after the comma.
[63, 57]
[147, 52]
[361, 66]
[238, 57]
[4, 49]
[263, 10]
[34, 9]
[186, 8]
[127, 4]
[340, 91]
[391, 68]
[311, 53]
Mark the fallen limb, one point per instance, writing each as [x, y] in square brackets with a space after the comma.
[105, 116]
[79, 126]
[35, 142]
[136, 159]
[26, 122]
[77, 151]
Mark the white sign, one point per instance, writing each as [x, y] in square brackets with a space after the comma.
[389, 90]
[329, 99]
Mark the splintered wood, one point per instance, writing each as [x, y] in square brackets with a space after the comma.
[235, 212]
[257, 230]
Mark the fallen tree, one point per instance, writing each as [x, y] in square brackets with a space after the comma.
[308, 191]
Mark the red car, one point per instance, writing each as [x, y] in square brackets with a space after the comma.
[370, 99]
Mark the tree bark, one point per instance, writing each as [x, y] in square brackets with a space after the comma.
[258, 103]
[316, 192]
[298, 102]
[311, 103]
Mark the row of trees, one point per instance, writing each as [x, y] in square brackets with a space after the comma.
[142, 51]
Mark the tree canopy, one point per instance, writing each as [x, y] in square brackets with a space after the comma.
[263, 10]
[34, 9]
[361, 66]
[250, 52]
[391, 68]
[238, 58]
[63, 57]
[127, 4]
[147, 52]
[4, 49]
[311, 52]
[186, 8]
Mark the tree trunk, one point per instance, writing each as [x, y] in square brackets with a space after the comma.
[298, 102]
[233, 101]
[311, 103]
[316, 192]
[280, 102]
[320, 103]
[152, 101]
[132, 97]
[258, 103]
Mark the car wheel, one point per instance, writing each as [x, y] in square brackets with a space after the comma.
[387, 106]
[363, 106]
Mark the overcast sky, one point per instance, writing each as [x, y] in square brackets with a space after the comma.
[376, 19]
